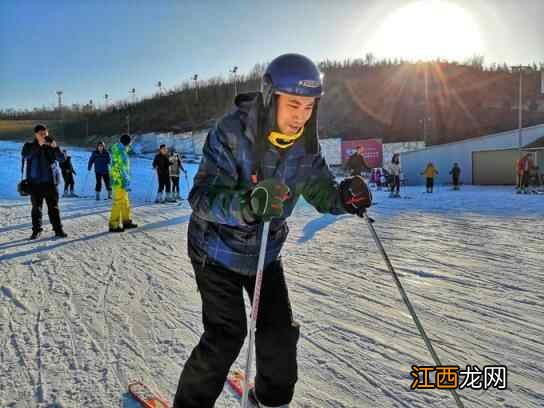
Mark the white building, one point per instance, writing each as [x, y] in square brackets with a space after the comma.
[487, 159]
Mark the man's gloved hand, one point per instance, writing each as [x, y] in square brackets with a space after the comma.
[356, 195]
[266, 201]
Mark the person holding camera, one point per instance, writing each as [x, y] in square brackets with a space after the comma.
[40, 157]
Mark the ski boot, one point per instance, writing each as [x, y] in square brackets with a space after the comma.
[170, 198]
[159, 198]
[109, 194]
[36, 234]
[72, 194]
[65, 194]
[97, 196]
[129, 225]
[116, 229]
[61, 234]
[255, 401]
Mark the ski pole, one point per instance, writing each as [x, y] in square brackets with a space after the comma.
[188, 186]
[85, 184]
[150, 188]
[407, 302]
[255, 310]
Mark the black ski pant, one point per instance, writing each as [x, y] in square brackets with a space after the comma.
[68, 181]
[396, 184]
[430, 184]
[456, 181]
[49, 193]
[225, 328]
[164, 182]
[99, 178]
[175, 184]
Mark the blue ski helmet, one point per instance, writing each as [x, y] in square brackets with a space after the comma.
[292, 74]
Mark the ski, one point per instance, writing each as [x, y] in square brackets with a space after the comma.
[235, 382]
[146, 396]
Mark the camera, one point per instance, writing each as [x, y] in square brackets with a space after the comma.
[49, 139]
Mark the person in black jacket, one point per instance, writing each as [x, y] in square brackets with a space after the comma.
[68, 173]
[40, 157]
[455, 173]
[101, 160]
[356, 164]
[161, 164]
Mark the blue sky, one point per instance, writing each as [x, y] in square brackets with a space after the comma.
[91, 47]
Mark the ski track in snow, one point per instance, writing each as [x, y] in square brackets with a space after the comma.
[82, 316]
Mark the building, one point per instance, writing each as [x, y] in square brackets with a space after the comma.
[487, 160]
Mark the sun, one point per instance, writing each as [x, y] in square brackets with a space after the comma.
[428, 29]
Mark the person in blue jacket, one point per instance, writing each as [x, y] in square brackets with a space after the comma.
[40, 158]
[101, 160]
[256, 163]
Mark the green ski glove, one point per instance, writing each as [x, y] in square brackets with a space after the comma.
[266, 201]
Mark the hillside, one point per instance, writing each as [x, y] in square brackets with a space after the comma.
[362, 99]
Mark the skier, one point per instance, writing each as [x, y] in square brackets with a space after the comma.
[161, 164]
[68, 173]
[524, 169]
[101, 160]
[455, 173]
[176, 166]
[430, 172]
[121, 218]
[257, 162]
[356, 163]
[394, 169]
[40, 157]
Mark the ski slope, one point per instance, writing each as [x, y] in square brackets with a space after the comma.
[82, 316]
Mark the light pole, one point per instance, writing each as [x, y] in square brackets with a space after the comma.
[520, 68]
[233, 72]
[133, 92]
[195, 78]
[424, 122]
[59, 94]
[106, 98]
[159, 85]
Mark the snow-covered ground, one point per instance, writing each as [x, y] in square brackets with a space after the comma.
[79, 317]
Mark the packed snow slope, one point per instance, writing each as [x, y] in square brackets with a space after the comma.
[80, 317]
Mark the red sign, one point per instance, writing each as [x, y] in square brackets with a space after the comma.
[372, 150]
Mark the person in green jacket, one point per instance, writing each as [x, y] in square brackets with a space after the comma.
[121, 218]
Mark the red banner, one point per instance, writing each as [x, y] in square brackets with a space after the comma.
[372, 150]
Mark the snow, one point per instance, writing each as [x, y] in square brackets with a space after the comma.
[82, 316]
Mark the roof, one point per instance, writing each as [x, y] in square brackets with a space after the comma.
[537, 144]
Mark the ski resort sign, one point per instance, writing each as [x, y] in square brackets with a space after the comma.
[372, 150]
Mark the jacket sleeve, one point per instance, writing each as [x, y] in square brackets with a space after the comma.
[91, 161]
[321, 190]
[216, 195]
[155, 162]
[27, 152]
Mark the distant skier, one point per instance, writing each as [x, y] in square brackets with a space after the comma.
[525, 166]
[257, 162]
[161, 164]
[356, 163]
[394, 169]
[176, 167]
[121, 217]
[430, 172]
[101, 161]
[40, 157]
[68, 172]
[455, 174]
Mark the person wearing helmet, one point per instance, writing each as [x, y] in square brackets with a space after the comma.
[257, 162]
[120, 217]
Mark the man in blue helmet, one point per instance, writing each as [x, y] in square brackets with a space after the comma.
[256, 163]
